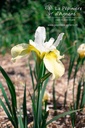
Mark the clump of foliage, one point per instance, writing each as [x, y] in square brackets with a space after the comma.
[19, 19]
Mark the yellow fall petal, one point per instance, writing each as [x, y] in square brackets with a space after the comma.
[19, 51]
[54, 65]
[23, 49]
[56, 53]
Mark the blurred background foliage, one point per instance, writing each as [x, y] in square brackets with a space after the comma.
[20, 18]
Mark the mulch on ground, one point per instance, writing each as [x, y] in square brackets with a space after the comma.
[20, 75]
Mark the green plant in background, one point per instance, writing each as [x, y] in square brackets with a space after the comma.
[79, 102]
[16, 21]
[47, 57]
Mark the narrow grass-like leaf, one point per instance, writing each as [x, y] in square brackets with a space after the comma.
[54, 99]
[25, 109]
[10, 86]
[41, 70]
[5, 97]
[45, 77]
[61, 115]
[65, 98]
[73, 116]
[37, 68]
[44, 118]
[20, 121]
[77, 67]
[8, 113]
[75, 73]
[39, 118]
[34, 108]
[71, 64]
[12, 93]
[83, 96]
[78, 95]
[31, 74]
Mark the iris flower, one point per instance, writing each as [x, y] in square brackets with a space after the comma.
[46, 51]
[81, 50]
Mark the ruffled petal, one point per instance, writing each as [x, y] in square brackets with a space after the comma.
[58, 39]
[19, 51]
[53, 65]
[40, 35]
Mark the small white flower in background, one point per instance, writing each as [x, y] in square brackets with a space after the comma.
[45, 50]
[81, 50]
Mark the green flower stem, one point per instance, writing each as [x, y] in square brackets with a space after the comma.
[40, 73]
[75, 73]
[38, 94]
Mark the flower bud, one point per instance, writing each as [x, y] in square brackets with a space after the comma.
[46, 97]
[81, 50]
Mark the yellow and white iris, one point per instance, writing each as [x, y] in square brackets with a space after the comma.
[81, 50]
[44, 50]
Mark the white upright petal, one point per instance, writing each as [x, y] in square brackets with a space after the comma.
[40, 35]
[58, 39]
[49, 43]
[32, 43]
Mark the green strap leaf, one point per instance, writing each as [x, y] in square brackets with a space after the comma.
[12, 93]
[79, 61]
[83, 96]
[39, 118]
[10, 86]
[45, 77]
[25, 109]
[71, 64]
[5, 97]
[7, 113]
[78, 95]
[31, 74]
[61, 115]
[20, 125]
